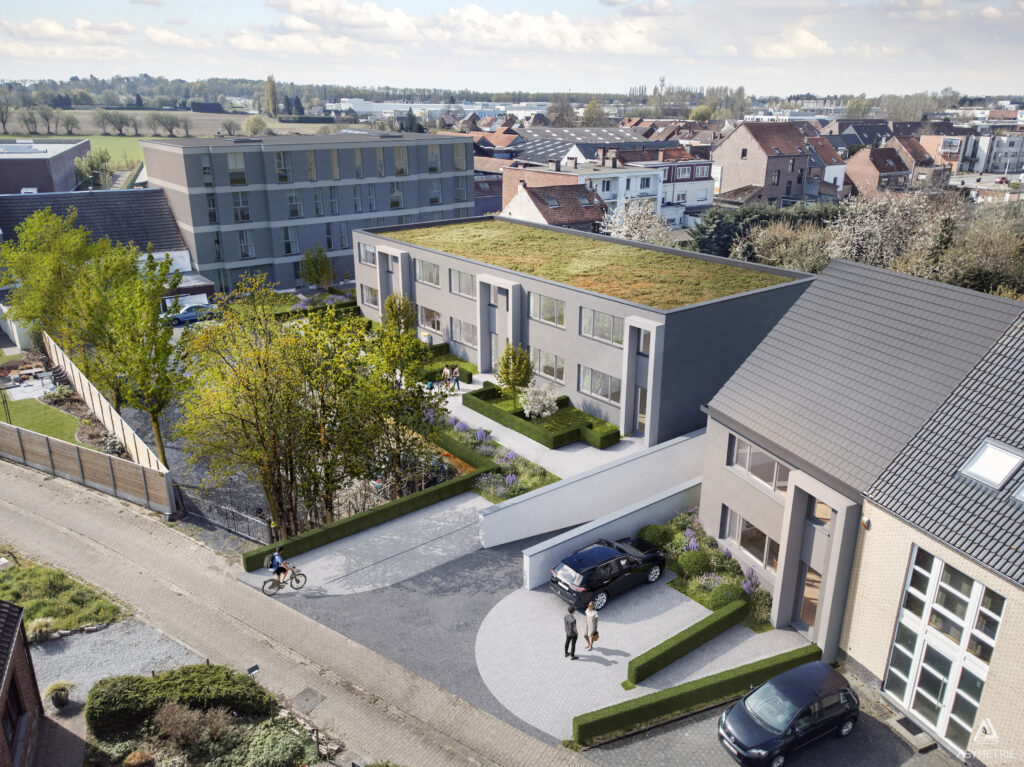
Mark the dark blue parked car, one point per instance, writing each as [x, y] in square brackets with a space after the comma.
[604, 569]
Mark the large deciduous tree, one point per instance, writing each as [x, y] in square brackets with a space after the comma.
[515, 371]
[316, 269]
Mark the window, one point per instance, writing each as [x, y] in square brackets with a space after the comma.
[332, 196]
[294, 203]
[750, 539]
[358, 158]
[311, 164]
[605, 327]
[546, 309]
[551, 202]
[666, 174]
[430, 319]
[329, 238]
[335, 166]
[628, 180]
[236, 168]
[743, 154]
[380, 161]
[318, 201]
[291, 241]
[992, 464]
[584, 201]
[371, 197]
[283, 166]
[206, 164]
[606, 185]
[463, 283]
[459, 156]
[401, 161]
[800, 176]
[218, 252]
[344, 235]
[683, 174]
[395, 194]
[702, 171]
[681, 197]
[645, 343]
[211, 207]
[433, 158]
[240, 206]
[246, 248]
[645, 183]
[357, 198]
[402, 220]
[818, 512]
[460, 189]
[367, 255]
[428, 273]
[758, 464]
[464, 332]
[12, 713]
[369, 295]
[600, 385]
[548, 365]
[775, 178]
[789, 186]
[792, 164]
[434, 196]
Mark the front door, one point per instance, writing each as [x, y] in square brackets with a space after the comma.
[932, 688]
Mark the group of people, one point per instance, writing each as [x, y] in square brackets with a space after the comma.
[450, 378]
[590, 633]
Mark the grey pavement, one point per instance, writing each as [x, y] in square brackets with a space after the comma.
[519, 651]
[387, 554]
[378, 708]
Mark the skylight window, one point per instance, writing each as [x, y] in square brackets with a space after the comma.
[992, 464]
[584, 201]
[1019, 495]
[552, 202]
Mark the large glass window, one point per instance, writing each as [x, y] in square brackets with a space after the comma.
[428, 273]
[206, 165]
[333, 198]
[750, 539]
[430, 319]
[600, 385]
[433, 158]
[464, 332]
[380, 161]
[211, 207]
[318, 201]
[236, 168]
[547, 309]
[294, 203]
[434, 193]
[367, 254]
[460, 189]
[240, 206]
[246, 247]
[311, 164]
[605, 327]
[370, 295]
[395, 194]
[548, 365]
[358, 159]
[459, 156]
[371, 197]
[992, 464]
[291, 241]
[758, 464]
[401, 161]
[329, 237]
[357, 198]
[283, 166]
[335, 166]
[463, 283]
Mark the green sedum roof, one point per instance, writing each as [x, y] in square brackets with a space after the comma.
[636, 274]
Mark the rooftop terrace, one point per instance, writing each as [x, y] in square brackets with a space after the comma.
[630, 273]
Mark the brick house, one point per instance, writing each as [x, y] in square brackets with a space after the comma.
[772, 155]
[874, 172]
[21, 706]
[924, 172]
[570, 206]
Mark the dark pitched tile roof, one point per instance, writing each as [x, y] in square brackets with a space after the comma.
[857, 365]
[563, 204]
[141, 216]
[885, 159]
[742, 194]
[785, 137]
[10, 620]
[924, 486]
[826, 150]
[913, 147]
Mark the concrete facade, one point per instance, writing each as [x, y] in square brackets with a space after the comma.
[690, 351]
[881, 567]
[258, 204]
[43, 166]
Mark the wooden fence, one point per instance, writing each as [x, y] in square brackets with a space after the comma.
[102, 409]
[143, 485]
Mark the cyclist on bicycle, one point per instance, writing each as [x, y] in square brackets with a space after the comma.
[279, 566]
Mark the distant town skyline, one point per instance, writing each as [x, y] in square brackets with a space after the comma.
[777, 47]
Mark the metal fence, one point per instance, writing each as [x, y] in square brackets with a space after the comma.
[195, 503]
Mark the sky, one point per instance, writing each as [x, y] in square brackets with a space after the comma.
[771, 47]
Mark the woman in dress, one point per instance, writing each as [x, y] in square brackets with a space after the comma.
[590, 625]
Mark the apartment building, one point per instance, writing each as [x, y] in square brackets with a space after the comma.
[639, 335]
[245, 204]
[1001, 153]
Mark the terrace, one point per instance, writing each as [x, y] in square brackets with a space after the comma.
[658, 278]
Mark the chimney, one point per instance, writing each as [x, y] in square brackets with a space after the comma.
[575, 163]
[661, 155]
[522, 183]
[554, 165]
[602, 154]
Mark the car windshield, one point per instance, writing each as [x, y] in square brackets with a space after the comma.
[567, 574]
[770, 708]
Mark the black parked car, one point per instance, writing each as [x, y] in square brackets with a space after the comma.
[606, 568]
[788, 712]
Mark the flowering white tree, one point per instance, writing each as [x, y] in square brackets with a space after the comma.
[638, 220]
[882, 231]
[539, 401]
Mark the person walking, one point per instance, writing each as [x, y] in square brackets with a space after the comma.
[570, 634]
[446, 378]
[455, 377]
[590, 625]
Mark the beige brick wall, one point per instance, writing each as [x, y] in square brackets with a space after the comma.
[879, 571]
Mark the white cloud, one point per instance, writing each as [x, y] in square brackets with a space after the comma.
[991, 12]
[156, 3]
[80, 30]
[797, 43]
[168, 39]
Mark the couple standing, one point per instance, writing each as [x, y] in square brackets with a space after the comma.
[589, 630]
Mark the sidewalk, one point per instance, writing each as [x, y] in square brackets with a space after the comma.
[378, 708]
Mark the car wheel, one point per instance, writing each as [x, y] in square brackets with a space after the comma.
[654, 574]
[600, 599]
[778, 760]
[175, 322]
[845, 728]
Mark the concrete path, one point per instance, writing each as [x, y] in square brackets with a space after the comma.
[519, 651]
[564, 462]
[387, 554]
[381, 710]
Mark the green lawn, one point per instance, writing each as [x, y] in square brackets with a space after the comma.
[11, 357]
[565, 419]
[33, 415]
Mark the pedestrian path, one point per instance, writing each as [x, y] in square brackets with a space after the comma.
[565, 462]
[390, 553]
[378, 708]
[519, 652]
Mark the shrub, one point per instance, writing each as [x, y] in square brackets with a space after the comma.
[539, 401]
[274, 744]
[722, 562]
[761, 606]
[656, 535]
[684, 541]
[39, 629]
[682, 521]
[691, 564]
[218, 722]
[181, 724]
[60, 688]
[59, 395]
[705, 582]
[139, 758]
[725, 593]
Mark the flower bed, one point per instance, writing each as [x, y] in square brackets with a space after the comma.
[707, 574]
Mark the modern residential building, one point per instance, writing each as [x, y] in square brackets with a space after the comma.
[39, 166]
[21, 707]
[247, 204]
[1000, 153]
[813, 419]
[874, 172]
[771, 155]
[639, 335]
[924, 172]
[570, 206]
[935, 614]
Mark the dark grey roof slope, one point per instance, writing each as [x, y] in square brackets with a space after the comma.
[924, 486]
[545, 143]
[857, 365]
[10, 620]
[141, 216]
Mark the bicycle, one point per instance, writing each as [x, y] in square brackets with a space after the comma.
[295, 579]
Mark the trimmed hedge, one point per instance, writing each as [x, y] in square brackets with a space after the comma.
[344, 307]
[432, 370]
[364, 520]
[121, 703]
[675, 701]
[690, 564]
[595, 435]
[674, 648]
[657, 535]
